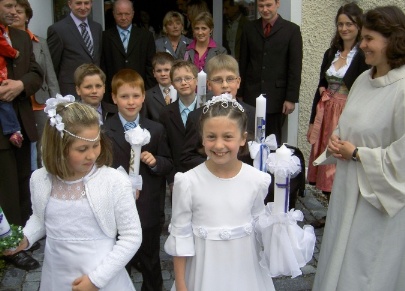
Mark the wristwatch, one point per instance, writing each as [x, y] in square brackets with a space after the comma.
[354, 155]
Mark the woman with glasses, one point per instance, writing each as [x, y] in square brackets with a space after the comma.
[343, 62]
[363, 242]
[173, 41]
[203, 47]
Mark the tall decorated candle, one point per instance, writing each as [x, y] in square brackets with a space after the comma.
[201, 88]
[282, 181]
[260, 120]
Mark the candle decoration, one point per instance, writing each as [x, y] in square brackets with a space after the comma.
[201, 88]
[286, 247]
[259, 151]
[10, 235]
[137, 137]
[260, 119]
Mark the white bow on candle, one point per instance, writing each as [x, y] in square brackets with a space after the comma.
[260, 151]
[137, 137]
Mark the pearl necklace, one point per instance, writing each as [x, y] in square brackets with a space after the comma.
[343, 58]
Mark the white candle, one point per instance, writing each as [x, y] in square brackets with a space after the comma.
[201, 87]
[173, 94]
[281, 184]
[137, 160]
[260, 120]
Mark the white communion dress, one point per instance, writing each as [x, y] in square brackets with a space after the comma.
[75, 243]
[213, 226]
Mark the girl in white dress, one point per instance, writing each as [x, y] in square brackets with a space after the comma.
[81, 205]
[215, 207]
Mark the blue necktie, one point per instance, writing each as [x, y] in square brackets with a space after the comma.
[129, 125]
[125, 39]
[184, 115]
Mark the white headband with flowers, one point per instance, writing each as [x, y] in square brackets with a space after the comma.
[55, 119]
[225, 99]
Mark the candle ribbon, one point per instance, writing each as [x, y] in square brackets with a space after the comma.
[285, 186]
[260, 151]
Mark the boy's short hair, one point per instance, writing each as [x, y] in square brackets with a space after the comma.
[222, 62]
[87, 70]
[129, 77]
[178, 64]
[162, 58]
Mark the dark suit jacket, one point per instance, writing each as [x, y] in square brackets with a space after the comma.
[68, 50]
[26, 69]
[357, 66]
[108, 110]
[192, 151]
[140, 51]
[242, 21]
[154, 103]
[15, 166]
[154, 182]
[271, 65]
[171, 119]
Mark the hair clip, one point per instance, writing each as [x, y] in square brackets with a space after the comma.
[55, 119]
[225, 99]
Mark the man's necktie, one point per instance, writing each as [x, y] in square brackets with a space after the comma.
[129, 125]
[125, 39]
[166, 91]
[86, 38]
[267, 30]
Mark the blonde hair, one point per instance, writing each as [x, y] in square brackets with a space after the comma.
[222, 62]
[173, 16]
[129, 77]
[55, 149]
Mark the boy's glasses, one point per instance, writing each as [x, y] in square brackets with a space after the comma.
[185, 79]
[229, 80]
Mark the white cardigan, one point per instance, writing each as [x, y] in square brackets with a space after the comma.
[111, 199]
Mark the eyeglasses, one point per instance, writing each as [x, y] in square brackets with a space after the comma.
[229, 80]
[348, 24]
[187, 79]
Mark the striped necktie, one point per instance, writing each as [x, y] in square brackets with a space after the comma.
[125, 39]
[86, 38]
[167, 95]
[129, 125]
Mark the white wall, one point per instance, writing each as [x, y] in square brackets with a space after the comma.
[42, 18]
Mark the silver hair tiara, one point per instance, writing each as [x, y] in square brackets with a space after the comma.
[225, 99]
[55, 119]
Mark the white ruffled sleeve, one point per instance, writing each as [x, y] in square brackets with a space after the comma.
[258, 207]
[181, 241]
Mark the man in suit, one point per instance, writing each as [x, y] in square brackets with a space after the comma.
[271, 63]
[73, 41]
[24, 79]
[127, 46]
[234, 21]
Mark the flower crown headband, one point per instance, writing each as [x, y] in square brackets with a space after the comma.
[55, 119]
[225, 99]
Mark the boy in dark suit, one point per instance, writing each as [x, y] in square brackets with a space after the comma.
[222, 77]
[128, 92]
[90, 87]
[174, 116]
[158, 96]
